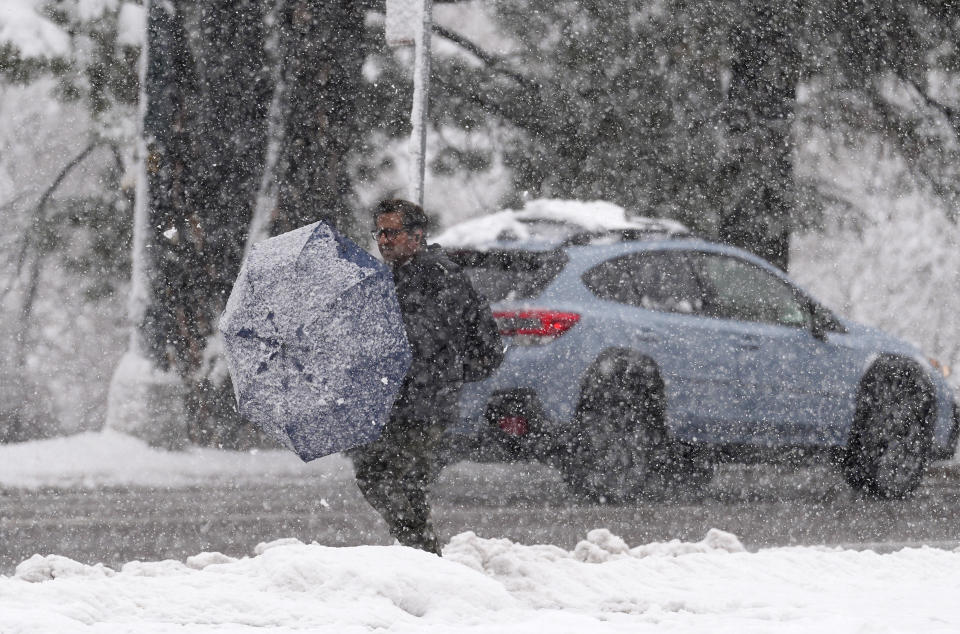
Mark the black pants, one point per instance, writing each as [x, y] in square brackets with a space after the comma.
[394, 474]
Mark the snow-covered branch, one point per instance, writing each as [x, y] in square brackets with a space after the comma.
[491, 61]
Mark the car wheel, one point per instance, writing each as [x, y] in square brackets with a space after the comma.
[891, 435]
[619, 444]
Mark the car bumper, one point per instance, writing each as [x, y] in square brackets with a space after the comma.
[945, 449]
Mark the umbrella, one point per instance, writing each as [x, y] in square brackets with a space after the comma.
[314, 341]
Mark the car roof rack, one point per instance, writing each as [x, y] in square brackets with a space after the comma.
[555, 224]
[625, 235]
[571, 234]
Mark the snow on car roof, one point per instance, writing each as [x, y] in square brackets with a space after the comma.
[549, 222]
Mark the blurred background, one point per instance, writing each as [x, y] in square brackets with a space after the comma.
[824, 136]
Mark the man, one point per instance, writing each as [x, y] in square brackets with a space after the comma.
[453, 338]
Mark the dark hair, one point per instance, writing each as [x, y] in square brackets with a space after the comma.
[413, 215]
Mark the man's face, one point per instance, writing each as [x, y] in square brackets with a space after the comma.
[397, 244]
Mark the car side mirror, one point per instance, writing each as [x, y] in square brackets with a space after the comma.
[822, 321]
[817, 326]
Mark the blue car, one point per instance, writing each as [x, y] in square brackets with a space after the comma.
[640, 356]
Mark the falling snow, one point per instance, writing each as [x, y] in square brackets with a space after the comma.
[822, 133]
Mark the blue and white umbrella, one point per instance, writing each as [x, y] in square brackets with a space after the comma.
[315, 341]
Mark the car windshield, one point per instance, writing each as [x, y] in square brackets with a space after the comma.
[506, 275]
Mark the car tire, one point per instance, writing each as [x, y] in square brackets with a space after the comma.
[619, 446]
[891, 435]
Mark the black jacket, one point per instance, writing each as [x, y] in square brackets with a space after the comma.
[451, 331]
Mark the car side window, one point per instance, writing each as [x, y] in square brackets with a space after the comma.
[736, 289]
[661, 281]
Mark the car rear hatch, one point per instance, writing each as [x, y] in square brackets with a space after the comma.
[509, 279]
[505, 408]
[506, 275]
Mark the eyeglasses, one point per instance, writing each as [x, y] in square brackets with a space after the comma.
[390, 234]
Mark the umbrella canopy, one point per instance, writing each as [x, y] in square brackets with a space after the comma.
[315, 341]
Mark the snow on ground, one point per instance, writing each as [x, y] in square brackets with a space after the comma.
[480, 585]
[494, 585]
[109, 458]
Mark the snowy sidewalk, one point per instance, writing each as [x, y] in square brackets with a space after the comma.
[96, 459]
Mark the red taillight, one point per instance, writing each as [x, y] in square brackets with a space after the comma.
[548, 324]
[513, 425]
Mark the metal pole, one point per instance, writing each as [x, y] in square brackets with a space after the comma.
[421, 92]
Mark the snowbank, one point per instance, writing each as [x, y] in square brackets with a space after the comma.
[484, 585]
[109, 458]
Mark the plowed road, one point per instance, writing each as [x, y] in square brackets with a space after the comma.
[763, 505]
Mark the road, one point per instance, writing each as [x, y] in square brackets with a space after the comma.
[763, 505]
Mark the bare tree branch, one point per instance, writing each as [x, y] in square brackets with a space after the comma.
[529, 119]
[523, 118]
[39, 219]
[905, 137]
[947, 111]
[493, 62]
[38, 224]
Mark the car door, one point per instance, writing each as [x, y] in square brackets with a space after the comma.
[699, 359]
[800, 383]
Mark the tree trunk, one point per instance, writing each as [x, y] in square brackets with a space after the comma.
[228, 144]
[206, 91]
[203, 115]
[146, 393]
[322, 52]
[758, 171]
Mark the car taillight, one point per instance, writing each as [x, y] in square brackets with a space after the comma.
[534, 326]
[513, 425]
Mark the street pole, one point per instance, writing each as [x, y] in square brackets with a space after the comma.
[421, 92]
[409, 22]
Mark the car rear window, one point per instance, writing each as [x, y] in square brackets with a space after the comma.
[660, 281]
[506, 275]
